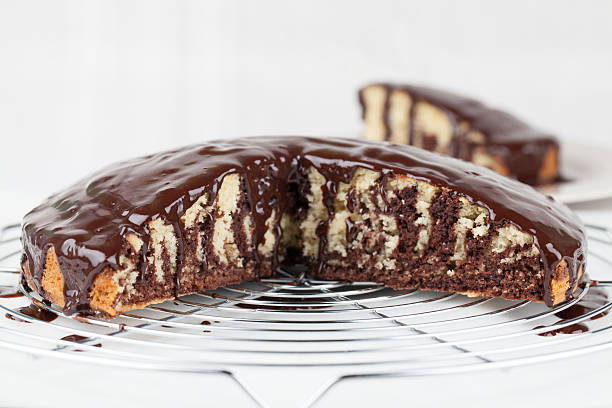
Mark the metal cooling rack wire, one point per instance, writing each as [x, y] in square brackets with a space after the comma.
[359, 329]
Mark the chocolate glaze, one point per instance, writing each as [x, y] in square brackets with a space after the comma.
[522, 147]
[74, 337]
[78, 339]
[37, 313]
[595, 299]
[15, 318]
[575, 328]
[87, 222]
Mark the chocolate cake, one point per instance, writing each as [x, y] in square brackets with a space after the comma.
[195, 218]
[450, 124]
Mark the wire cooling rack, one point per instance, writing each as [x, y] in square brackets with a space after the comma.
[353, 329]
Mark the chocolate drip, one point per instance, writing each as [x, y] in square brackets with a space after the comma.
[36, 313]
[593, 300]
[350, 230]
[351, 201]
[88, 222]
[180, 249]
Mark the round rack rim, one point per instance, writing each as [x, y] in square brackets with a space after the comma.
[362, 327]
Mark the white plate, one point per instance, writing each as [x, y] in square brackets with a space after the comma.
[588, 171]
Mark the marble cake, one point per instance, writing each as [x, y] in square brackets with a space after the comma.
[202, 216]
[450, 124]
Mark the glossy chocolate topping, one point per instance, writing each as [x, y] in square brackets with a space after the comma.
[36, 312]
[522, 147]
[87, 222]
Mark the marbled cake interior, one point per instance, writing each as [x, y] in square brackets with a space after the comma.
[450, 124]
[399, 230]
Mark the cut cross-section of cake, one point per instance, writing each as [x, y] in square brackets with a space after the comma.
[203, 216]
[450, 124]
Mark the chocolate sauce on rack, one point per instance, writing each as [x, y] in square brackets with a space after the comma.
[9, 292]
[78, 339]
[34, 312]
[523, 148]
[15, 318]
[74, 337]
[87, 223]
[575, 328]
[593, 300]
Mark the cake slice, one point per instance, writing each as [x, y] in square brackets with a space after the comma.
[203, 216]
[450, 124]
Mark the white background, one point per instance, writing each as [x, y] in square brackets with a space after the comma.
[83, 83]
